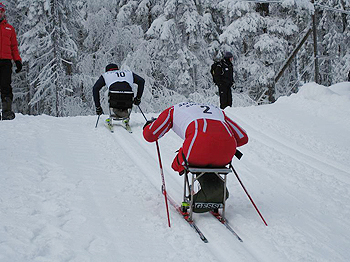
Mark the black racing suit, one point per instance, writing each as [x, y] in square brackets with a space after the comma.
[224, 72]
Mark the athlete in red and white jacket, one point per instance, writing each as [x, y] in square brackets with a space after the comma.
[210, 137]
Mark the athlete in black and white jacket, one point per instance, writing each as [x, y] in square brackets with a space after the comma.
[118, 80]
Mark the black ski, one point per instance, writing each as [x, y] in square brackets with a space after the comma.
[225, 223]
[186, 217]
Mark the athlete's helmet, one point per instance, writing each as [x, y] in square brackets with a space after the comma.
[110, 67]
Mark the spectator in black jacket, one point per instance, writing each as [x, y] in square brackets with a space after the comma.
[224, 73]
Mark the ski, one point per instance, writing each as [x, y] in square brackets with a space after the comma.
[195, 227]
[225, 223]
[186, 217]
[109, 125]
[126, 126]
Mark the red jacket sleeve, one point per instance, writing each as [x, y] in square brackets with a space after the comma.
[238, 132]
[158, 128]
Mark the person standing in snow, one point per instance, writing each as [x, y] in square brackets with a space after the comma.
[210, 140]
[224, 80]
[8, 52]
[117, 80]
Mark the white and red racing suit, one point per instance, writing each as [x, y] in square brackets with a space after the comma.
[210, 137]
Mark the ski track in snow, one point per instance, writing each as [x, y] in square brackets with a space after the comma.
[72, 192]
[306, 179]
[135, 147]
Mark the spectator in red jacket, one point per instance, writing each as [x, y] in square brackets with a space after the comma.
[210, 137]
[8, 52]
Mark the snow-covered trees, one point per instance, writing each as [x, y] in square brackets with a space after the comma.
[334, 37]
[49, 51]
[65, 46]
[177, 43]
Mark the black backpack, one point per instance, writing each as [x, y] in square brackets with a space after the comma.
[212, 71]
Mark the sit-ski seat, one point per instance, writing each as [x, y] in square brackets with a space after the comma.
[120, 104]
[213, 192]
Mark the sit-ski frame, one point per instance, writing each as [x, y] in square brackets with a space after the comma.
[112, 116]
[196, 173]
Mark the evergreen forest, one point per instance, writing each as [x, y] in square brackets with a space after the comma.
[65, 46]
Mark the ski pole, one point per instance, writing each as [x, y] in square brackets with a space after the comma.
[98, 118]
[142, 113]
[161, 173]
[256, 208]
[163, 183]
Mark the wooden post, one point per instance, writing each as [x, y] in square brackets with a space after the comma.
[292, 55]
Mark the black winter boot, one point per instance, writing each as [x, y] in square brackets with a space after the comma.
[7, 113]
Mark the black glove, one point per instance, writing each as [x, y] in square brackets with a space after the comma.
[19, 66]
[137, 101]
[149, 122]
[99, 110]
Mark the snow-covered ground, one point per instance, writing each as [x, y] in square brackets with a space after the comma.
[73, 192]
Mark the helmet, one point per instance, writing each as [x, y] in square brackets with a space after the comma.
[228, 55]
[110, 67]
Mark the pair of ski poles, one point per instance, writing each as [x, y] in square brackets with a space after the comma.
[238, 155]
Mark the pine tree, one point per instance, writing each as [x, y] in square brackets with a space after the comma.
[334, 38]
[48, 48]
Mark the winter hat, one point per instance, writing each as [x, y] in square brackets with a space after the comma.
[228, 55]
[110, 67]
[2, 7]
